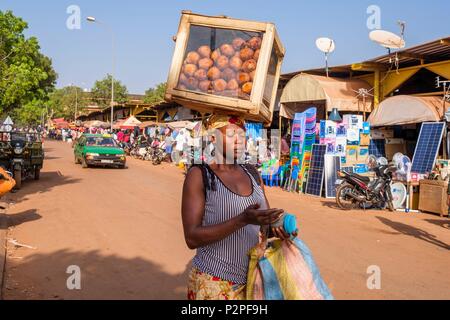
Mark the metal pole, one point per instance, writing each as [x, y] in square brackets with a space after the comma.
[112, 77]
[76, 104]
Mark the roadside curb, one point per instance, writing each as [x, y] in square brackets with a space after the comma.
[3, 232]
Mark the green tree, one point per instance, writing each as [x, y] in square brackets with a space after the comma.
[155, 95]
[26, 75]
[101, 92]
[62, 102]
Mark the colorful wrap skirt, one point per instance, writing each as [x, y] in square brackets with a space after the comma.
[203, 286]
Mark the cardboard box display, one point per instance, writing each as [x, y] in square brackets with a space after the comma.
[364, 139]
[360, 168]
[341, 130]
[363, 154]
[366, 128]
[379, 134]
[351, 155]
[353, 136]
[353, 121]
[341, 146]
[393, 146]
[327, 129]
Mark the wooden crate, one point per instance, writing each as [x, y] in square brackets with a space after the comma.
[186, 82]
[433, 197]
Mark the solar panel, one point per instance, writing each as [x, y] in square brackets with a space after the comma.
[377, 148]
[427, 147]
[332, 166]
[314, 183]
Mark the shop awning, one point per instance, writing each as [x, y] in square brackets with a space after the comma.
[405, 109]
[334, 92]
[130, 123]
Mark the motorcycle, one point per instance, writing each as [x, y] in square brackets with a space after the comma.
[356, 191]
[126, 146]
[158, 156]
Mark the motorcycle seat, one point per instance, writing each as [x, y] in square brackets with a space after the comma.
[361, 178]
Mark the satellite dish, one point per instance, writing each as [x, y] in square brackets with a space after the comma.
[326, 45]
[387, 39]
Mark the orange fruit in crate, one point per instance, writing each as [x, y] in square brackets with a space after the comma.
[232, 84]
[192, 83]
[236, 63]
[238, 43]
[192, 57]
[227, 50]
[189, 69]
[214, 73]
[246, 54]
[201, 75]
[205, 63]
[219, 85]
[243, 77]
[252, 75]
[204, 51]
[216, 54]
[247, 87]
[228, 74]
[204, 85]
[256, 55]
[249, 66]
[183, 79]
[222, 62]
[254, 43]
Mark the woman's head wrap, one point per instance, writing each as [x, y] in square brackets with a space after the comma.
[218, 121]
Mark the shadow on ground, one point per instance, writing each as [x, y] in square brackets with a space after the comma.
[440, 223]
[102, 277]
[47, 182]
[16, 219]
[420, 234]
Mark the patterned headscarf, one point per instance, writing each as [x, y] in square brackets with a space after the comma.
[218, 121]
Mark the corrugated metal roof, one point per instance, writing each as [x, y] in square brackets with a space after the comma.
[433, 51]
[436, 50]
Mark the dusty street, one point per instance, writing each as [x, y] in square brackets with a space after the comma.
[123, 229]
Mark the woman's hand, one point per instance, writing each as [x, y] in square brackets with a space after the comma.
[281, 234]
[252, 215]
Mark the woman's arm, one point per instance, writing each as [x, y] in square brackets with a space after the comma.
[277, 232]
[193, 208]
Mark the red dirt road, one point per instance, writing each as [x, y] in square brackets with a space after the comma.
[123, 229]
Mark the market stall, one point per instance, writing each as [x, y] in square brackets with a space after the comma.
[324, 93]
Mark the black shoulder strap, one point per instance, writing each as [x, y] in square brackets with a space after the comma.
[254, 172]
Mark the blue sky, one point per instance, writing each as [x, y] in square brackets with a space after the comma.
[144, 31]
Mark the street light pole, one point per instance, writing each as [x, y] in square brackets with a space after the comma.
[93, 19]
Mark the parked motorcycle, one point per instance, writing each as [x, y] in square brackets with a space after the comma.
[158, 156]
[356, 191]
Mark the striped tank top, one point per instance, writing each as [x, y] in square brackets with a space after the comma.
[228, 259]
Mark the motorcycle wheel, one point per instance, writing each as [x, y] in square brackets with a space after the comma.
[18, 178]
[342, 200]
[37, 174]
[389, 203]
